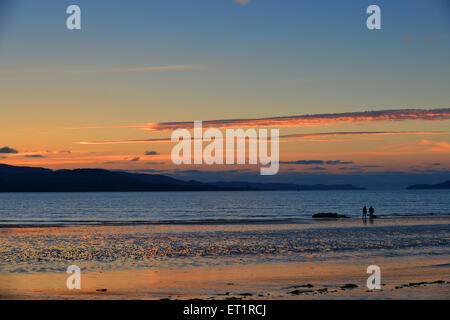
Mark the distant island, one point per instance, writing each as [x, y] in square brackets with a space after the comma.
[35, 179]
[443, 185]
[285, 186]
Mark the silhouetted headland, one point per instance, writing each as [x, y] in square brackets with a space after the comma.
[34, 179]
[443, 185]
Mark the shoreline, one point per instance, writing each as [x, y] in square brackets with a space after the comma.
[235, 221]
[230, 261]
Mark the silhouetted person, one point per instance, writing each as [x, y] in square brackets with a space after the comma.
[371, 211]
[364, 212]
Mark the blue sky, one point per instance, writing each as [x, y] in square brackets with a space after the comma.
[138, 62]
[290, 50]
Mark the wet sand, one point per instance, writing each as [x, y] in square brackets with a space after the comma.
[264, 281]
[163, 262]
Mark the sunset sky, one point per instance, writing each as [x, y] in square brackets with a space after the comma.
[139, 69]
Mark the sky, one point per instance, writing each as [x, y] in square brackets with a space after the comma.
[94, 97]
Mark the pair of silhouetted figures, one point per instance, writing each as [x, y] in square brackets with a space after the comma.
[371, 211]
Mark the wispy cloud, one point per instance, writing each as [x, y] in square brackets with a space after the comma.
[427, 38]
[8, 150]
[313, 119]
[436, 146]
[156, 140]
[34, 156]
[152, 68]
[360, 167]
[360, 133]
[100, 70]
[322, 162]
[108, 127]
[242, 2]
[317, 168]
[155, 162]
[151, 153]
[295, 121]
[287, 136]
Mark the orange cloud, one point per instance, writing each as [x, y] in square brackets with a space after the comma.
[294, 121]
[436, 146]
[242, 2]
[111, 69]
[312, 120]
[326, 134]
[152, 68]
[285, 137]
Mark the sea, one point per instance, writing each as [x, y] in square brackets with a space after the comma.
[61, 208]
[46, 232]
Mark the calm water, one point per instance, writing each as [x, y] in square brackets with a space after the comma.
[154, 207]
[202, 242]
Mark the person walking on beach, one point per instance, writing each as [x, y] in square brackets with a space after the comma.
[364, 212]
[371, 211]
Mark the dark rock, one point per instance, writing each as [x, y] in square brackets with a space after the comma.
[296, 292]
[246, 294]
[309, 285]
[102, 290]
[415, 284]
[439, 281]
[349, 286]
[328, 215]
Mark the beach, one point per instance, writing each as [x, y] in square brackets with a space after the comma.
[307, 259]
[225, 150]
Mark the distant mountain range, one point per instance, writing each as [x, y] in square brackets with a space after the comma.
[32, 179]
[284, 186]
[443, 185]
[23, 179]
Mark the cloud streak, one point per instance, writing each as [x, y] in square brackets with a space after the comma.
[436, 146]
[151, 68]
[242, 2]
[360, 133]
[151, 153]
[178, 67]
[321, 162]
[34, 156]
[308, 120]
[288, 136]
[312, 120]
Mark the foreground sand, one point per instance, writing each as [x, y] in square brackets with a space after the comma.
[429, 280]
[34, 262]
